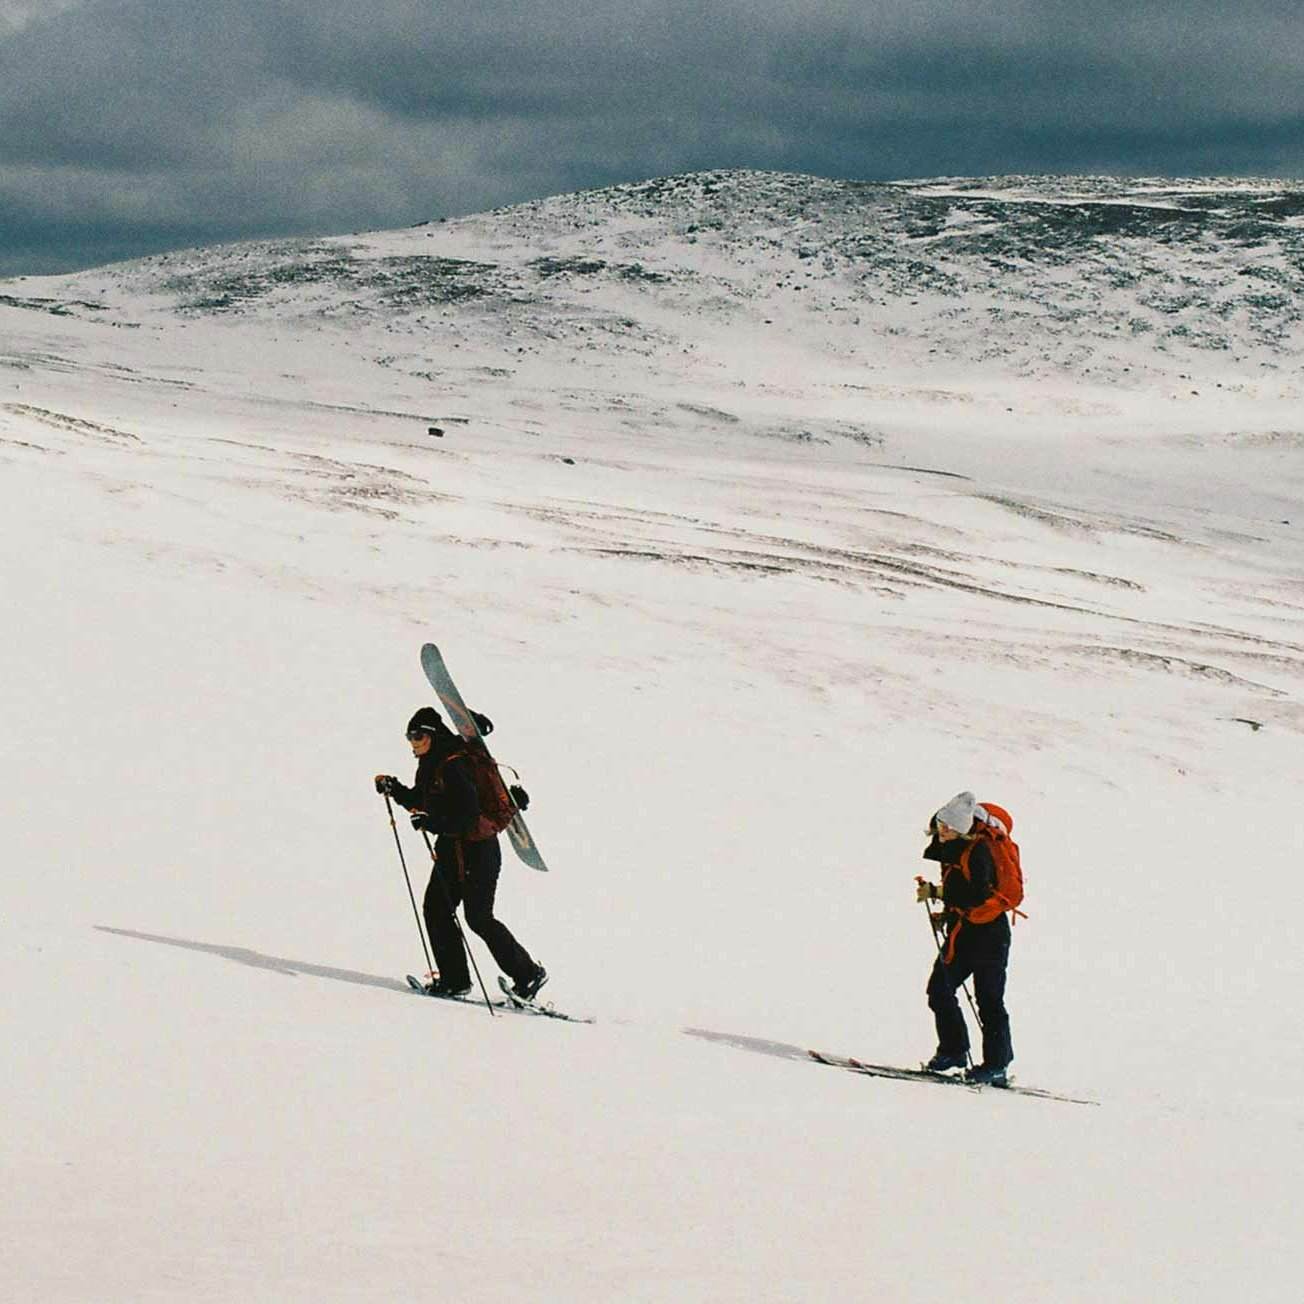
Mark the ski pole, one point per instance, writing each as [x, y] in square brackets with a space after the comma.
[466, 946]
[421, 932]
[964, 987]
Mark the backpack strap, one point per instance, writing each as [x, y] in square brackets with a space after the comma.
[994, 833]
[951, 938]
[457, 754]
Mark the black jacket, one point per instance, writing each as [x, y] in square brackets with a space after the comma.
[443, 788]
[959, 892]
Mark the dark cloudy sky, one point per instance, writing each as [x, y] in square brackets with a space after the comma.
[129, 126]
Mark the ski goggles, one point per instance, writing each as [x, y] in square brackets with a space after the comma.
[416, 735]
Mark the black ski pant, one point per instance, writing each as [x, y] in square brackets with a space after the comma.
[466, 873]
[982, 951]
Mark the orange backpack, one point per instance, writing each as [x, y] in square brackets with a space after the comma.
[496, 805]
[992, 823]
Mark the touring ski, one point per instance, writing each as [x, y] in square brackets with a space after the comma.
[535, 1006]
[469, 998]
[923, 1075]
[512, 1003]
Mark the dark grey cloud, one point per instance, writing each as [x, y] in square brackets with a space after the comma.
[132, 125]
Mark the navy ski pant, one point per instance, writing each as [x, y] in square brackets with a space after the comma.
[982, 952]
[466, 873]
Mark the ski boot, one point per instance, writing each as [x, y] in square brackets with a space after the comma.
[944, 1062]
[988, 1075]
[528, 989]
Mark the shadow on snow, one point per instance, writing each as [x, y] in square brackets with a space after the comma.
[257, 960]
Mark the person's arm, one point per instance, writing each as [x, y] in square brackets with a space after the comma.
[982, 870]
[457, 808]
[387, 785]
[964, 893]
[405, 796]
[936, 850]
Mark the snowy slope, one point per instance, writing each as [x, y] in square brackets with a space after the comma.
[767, 513]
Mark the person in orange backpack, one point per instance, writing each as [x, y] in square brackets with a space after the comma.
[981, 881]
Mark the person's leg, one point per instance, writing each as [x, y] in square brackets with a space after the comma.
[443, 893]
[989, 990]
[943, 983]
[483, 861]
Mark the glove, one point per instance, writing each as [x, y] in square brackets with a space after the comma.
[418, 818]
[519, 796]
[385, 784]
[925, 891]
[483, 723]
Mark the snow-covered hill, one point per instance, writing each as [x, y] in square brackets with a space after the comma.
[765, 513]
[1032, 276]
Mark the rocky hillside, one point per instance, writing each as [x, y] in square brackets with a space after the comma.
[1093, 278]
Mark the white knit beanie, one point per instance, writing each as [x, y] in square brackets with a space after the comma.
[958, 813]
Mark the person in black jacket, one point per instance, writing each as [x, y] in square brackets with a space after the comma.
[978, 949]
[443, 800]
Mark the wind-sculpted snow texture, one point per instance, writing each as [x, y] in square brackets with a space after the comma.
[762, 513]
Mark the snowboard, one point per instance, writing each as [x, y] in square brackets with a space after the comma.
[432, 662]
